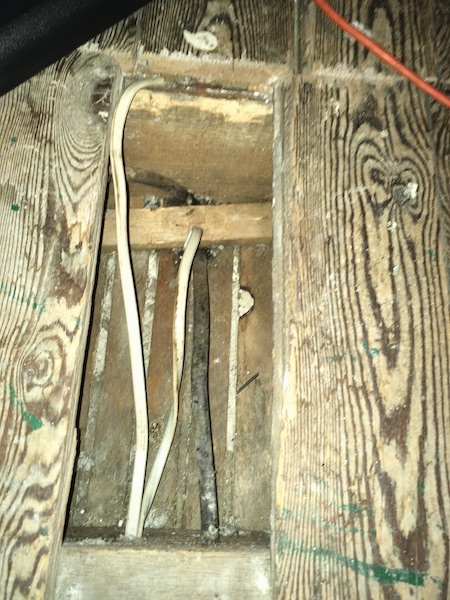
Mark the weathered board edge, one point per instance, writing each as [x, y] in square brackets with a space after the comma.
[112, 571]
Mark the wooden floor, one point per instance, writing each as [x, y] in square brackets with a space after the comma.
[356, 494]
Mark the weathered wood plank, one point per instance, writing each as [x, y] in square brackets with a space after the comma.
[246, 29]
[166, 227]
[403, 28]
[91, 572]
[52, 183]
[218, 147]
[442, 40]
[252, 498]
[440, 123]
[363, 491]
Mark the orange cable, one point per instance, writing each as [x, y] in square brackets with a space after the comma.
[383, 54]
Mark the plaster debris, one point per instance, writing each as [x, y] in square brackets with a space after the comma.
[246, 302]
[205, 41]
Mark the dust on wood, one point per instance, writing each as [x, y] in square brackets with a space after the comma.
[50, 229]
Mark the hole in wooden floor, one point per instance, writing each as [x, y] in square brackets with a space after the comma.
[194, 149]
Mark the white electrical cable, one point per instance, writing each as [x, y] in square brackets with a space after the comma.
[179, 329]
[140, 502]
[130, 301]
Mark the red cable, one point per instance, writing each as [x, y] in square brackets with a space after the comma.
[383, 54]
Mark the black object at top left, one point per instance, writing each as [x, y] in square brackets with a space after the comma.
[36, 33]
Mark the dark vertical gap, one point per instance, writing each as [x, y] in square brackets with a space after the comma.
[209, 516]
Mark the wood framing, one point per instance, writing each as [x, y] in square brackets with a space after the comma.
[49, 236]
[227, 224]
[362, 490]
[113, 571]
[302, 140]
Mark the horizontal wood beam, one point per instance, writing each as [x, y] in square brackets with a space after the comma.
[227, 224]
[112, 571]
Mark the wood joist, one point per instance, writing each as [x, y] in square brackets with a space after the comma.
[360, 495]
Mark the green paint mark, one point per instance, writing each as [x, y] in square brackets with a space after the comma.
[77, 322]
[441, 528]
[336, 358]
[334, 527]
[320, 481]
[355, 508]
[370, 351]
[31, 419]
[432, 254]
[12, 292]
[380, 573]
[43, 531]
[286, 512]
[15, 207]
[13, 141]
[421, 488]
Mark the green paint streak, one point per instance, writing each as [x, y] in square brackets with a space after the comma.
[421, 488]
[380, 573]
[286, 512]
[355, 508]
[320, 481]
[43, 531]
[336, 358]
[15, 207]
[11, 291]
[370, 351]
[432, 253]
[334, 527]
[31, 419]
[13, 141]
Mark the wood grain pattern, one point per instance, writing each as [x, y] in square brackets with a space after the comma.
[403, 28]
[120, 38]
[245, 29]
[52, 184]
[92, 572]
[442, 41]
[363, 490]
